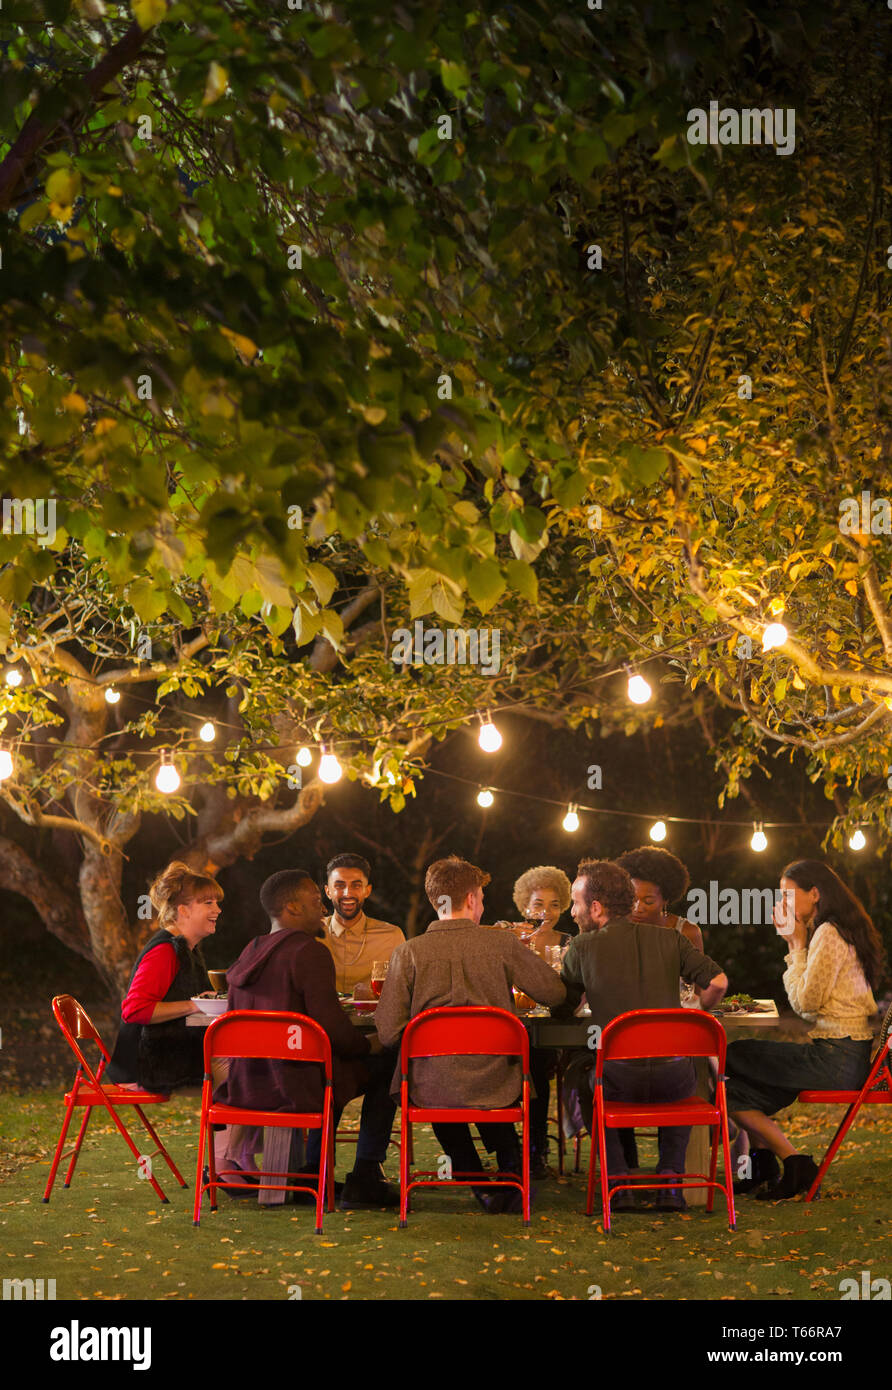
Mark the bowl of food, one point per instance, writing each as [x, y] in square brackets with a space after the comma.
[214, 1005]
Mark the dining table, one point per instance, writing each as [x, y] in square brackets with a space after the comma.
[560, 1035]
[573, 1034]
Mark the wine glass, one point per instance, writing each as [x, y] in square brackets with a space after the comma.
[379, 975]
[535, 916]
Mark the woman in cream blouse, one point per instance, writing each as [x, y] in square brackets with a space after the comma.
[833, 964]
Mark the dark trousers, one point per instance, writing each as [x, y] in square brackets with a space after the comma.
[376, 1117]
[500, 1139]
[649, 1080]
[542, 1066]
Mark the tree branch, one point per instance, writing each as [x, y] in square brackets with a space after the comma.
[34, 134]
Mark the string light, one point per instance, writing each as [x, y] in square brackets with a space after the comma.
[857, 841]
[489, 738]
[330, 769]
[485, 797]
[167, 779]
[759, 840]
[6, 767]
[304, 757]
[658, 830]
[207, 733]
[639, 691]
[571, 820]
[775, 635]
[13, 676]
[112, 696]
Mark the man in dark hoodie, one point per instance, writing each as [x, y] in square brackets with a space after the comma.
[291, 969]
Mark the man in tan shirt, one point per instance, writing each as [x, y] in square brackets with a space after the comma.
[355, 940]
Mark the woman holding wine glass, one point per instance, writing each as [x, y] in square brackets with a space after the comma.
[541, 894]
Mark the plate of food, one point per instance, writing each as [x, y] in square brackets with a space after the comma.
[214, 1005]
[736, 1004]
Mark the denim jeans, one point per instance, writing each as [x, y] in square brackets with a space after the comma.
[376, 1117]
[652, 1079]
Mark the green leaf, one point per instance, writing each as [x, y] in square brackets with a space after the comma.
[323, 581]
[522, 578]
[455, 77]
[486, 584]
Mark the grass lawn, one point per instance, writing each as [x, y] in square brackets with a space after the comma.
[107, 1237]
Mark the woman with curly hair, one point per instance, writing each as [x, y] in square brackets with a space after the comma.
[543, 891]
[659, 879]
[834, 962]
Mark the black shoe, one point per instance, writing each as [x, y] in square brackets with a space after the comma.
[369, 1191]
[492, 1201]
[765, 1169]
[623, 1201]
[671, 1199]
[247, 1187]
[800, 1171]
[539, 1164]
[306, 1199]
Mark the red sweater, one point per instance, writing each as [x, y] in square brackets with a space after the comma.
[150, 984]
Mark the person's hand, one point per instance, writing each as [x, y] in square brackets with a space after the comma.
[787, 925]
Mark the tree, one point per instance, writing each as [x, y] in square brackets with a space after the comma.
[333, 316]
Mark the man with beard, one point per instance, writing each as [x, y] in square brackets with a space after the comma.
[621, 965]
[355, 940]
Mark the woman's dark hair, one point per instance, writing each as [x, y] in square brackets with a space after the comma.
[837, 904]
[652, 865]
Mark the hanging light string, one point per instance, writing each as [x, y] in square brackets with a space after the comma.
[634, 815]
[332, 769]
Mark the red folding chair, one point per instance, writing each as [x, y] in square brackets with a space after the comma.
[877, 1090]
[463, 1030]
[88, 1090]
[661, 1033]
[285, 1037]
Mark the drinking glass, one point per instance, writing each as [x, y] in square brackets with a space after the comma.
[379, 975]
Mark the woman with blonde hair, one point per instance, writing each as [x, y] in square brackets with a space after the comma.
[541, 894]
[154, 1048]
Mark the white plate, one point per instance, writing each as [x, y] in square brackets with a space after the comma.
[214, 1007]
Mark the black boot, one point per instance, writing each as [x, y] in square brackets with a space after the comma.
[800, 1171]
[765, 1169]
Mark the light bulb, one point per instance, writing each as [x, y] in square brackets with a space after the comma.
[112, 696]
[759, 840]
[167, 779]
[639, 690]
[658, 830]
[207, 733]
[304, 757]
[13, 676]
[857, 841]
[571, 820]
[489, 738]
[775, 635]
[485, 797]
[5, 764]
[330, 769]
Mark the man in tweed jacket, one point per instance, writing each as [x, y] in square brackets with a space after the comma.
[459, 962]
